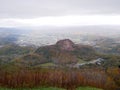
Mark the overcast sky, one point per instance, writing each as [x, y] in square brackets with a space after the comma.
[59, 12]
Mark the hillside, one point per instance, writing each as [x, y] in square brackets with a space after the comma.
[62, 53]
[64, 64]
[13, 49]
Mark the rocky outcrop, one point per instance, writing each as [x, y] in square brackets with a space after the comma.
[66, 45]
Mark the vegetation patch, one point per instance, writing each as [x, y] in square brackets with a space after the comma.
[50, 88]
[87, 88]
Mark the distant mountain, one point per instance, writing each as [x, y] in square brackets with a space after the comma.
[62, 53]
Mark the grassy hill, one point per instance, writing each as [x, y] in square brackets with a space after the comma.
[13, 49]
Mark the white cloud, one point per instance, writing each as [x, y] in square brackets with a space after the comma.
[75, 20]
[39, 8]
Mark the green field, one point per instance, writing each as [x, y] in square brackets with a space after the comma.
[81, 88]
[47, 64]
[81, 61]
[87, 88]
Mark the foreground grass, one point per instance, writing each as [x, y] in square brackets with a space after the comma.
[87, 88]
[81, 88]
[50, 88]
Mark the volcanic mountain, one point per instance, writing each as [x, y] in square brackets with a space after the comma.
[63, 52]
